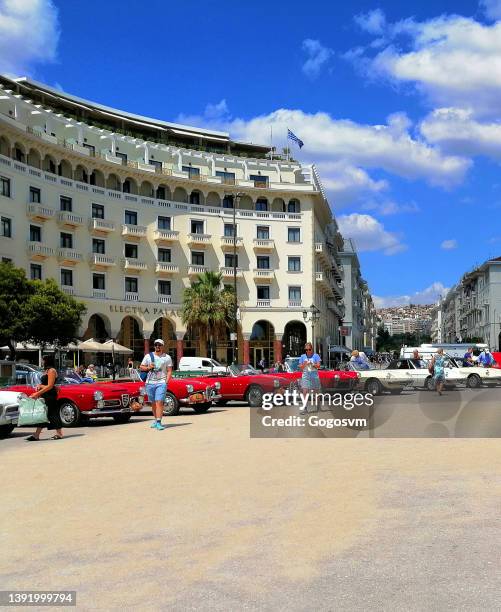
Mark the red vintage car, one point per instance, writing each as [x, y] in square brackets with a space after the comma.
[79, 401]
[240, 382]
[331, 380]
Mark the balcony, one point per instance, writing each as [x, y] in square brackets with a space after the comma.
[263, 304]
[263, 275]
[101, 227]
[321, 251]
[99, 293]
[199, 240]
[336, 288]
[295, 304]
[166, 269]
[98, 260]
[323, 280]
[338, 309]
[68, 289]
[69, 257]
[165, 299]
[264, 245]
[132, 264]
[131, 297]
[227, 272]
[133, 231]
[165, 236]
[227, 242]
[195, 270]
[337, 270]
[40, 212]
[69, 219]
[38, 251]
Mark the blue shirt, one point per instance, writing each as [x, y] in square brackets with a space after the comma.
[485, 359]
[467, 356]
[315, 358]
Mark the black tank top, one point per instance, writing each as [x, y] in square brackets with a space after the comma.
[51, 394]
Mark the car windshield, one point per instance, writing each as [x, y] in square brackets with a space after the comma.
[359, 367]
[419, 363]
[292, 364]
[242, 369]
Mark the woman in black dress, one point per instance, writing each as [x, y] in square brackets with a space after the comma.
[48, 392]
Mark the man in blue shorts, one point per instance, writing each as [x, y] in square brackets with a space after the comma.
[159, 374]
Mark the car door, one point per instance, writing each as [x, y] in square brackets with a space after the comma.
[453, 374]
[419, 372]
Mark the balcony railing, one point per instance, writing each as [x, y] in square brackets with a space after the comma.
[194, 270]
[131, 297]
[199, 239]
[99, 293]
[263, 274]
[227, 242]
[101, 226]
[295, 303]
[165, 299]
[166, 268]
[227, 271]
[263, 304]
[69, 256]
[131, 263]
[68, 289]
[133, 231]
[69, 219]
[263, 244]
[100, 260]
[40, 212]
[165, 236]
[39, 251]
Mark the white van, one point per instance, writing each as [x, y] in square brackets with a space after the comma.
[203, 364]
[426, 351]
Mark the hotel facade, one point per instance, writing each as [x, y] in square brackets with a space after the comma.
[126, 211]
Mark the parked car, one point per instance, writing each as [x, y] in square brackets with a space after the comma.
[375, 381]
[9, 412]
[79, 401]
[202, 364]
[331, 380]
[242, 382]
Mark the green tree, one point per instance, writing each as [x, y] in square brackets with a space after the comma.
[207, 307]
[15, 292]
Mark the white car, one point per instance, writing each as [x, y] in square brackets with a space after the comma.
[375, 381]
[9, 412]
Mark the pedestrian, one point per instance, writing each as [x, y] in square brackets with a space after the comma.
[47, 390]
[438, 365]
[262, 364]
[280, 367]
[485, 359]
[159, 374]
[468, 360]
[416, 358]
[359, 361]
[309, 362]
[130, 363]
[91, 373]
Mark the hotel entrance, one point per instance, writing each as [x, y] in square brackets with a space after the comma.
[261, 343]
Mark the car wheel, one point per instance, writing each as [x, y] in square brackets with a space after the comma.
[474, 381]
[201, 408]
[6, 430]
[373, 386]
[430, 383]
[254, 396]
[171, 405]
[69, 414]
[121, 418]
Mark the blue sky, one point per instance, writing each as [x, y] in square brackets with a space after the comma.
[397, 103]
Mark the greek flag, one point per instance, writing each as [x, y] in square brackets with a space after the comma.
[292, 136]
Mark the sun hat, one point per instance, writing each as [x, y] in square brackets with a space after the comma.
[159, 341]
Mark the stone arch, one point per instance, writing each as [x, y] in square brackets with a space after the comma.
[130, 186]
[294, 206]
[131, 336]
[294, 338]
[113, 182]
[213, 199]
[97, 178]
[197, 197]
[165, 329]
[262, 204]
[49, 164]
[180, 195]
[246, 203]
[19, 152]
[163, 192]
[147, 189]
[81, 174]
[262, 339]
[34, 158]
[98, 328]
[5, 146]
[278, 205]
[65, 169]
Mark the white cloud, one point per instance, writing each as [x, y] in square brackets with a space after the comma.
[369, 234]
[373, 22]
[317, 55]
[449, 245]
[29, 34]
[454, 60]
[491, 8]
[430, 295]
[389, 207]
[346, 183]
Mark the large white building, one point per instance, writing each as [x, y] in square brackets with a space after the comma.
[125, 211]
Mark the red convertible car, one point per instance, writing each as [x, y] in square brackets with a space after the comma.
[331, 380]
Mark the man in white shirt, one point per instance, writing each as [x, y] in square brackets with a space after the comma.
[159, 374]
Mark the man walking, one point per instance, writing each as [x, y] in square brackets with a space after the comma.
[159, 368]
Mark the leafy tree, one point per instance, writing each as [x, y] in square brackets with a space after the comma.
[54, 317]
[15, 292]
[207, 307]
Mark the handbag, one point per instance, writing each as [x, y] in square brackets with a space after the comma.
[32, 411]
[144, 375]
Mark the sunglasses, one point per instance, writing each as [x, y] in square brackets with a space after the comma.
[158, 344]
[309, 350]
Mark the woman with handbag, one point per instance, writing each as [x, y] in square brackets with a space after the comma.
[438, 365]
[47, 390]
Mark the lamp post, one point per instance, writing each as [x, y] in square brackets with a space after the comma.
[314, 315]
[236, 202]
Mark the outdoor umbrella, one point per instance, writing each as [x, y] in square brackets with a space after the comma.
[92, 346]
[110, 346]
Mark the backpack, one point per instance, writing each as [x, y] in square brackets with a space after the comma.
[144, 375]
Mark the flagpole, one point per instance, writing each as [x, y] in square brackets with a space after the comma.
[271, 140]
[287, 144]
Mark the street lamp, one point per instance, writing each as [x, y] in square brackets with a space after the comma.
[314, 316]
[236, 311]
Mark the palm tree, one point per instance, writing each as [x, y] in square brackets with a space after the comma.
[207, 307]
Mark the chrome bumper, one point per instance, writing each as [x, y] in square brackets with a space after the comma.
[97, 412]
[213, 398]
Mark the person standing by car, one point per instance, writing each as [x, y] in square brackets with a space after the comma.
[47, 390]
[309, 362]
[438, 365]
[485, 359]
[159, 374]
[468, 360]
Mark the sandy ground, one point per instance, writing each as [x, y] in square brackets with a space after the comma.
[200, 516]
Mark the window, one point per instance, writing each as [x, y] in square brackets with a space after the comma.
[263, 262]
[228, 201]
[67, 278]
[228, 260]
[164, 287]
[91, 148]
[293, 234]
[6, 260]
[65, 204]
[35, 233]
[98, 281]
[295, 293]
[35, 195]
[164, 223]
[161, 193]
[197, 258]
[98, 246]
[197, 227]
[35, 272]
[97, 211]
[5, 186]
[294, 264]
[259, 181]
[293, 207]
[261, 204]
[195, 197]
[130, 284]
[263, 232]
[130, 250]
[66, 240]
[229, 230]
[193, 173]
[6, 227]
[164, 255]
[122, 156]
[263, 292]
[154, 162]
[228, 178]
[130, 217]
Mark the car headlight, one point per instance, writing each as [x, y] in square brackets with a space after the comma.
[359, 375]
[98, 395]
[276, 383]
[189, 388]
[22, 396]
[142, 391]
[337, 376]
[217, 385]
